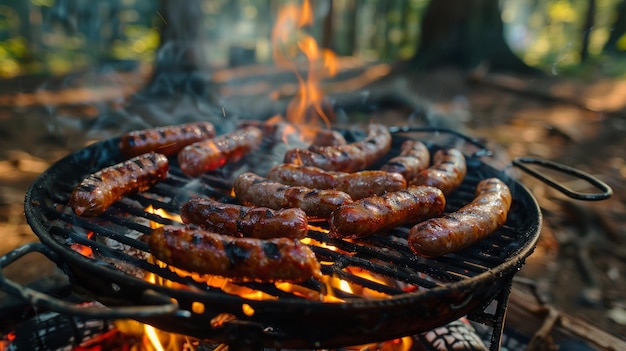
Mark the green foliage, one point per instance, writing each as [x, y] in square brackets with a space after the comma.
[45, 36]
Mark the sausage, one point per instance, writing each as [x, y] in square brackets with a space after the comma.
[358, 184]
[351, 157]
[164, 140]
[473, 222]
[253, 222]
[381, 213]
[279, 131]
[446, 173]
[252, 189]
[414, 157]
[94, 194]
[207, 155]
[243, 259]
[329, 137]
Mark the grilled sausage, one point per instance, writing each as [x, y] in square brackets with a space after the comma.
[446, 173]
[351, 157]
[414, 157]
[207, 155]
[252, 189]
[101, 189]
[278, 131]
[253, 222]
[358, 184]
[164, 140]
[381, 213]
[244, 259]
[473, 222]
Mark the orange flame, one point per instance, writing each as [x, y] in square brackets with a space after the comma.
[291, 43]
[82, 249]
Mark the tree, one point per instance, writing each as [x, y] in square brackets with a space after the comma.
[466, 33]
[618, 30]
[179, 61]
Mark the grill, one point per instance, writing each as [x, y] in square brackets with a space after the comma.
[421, 293]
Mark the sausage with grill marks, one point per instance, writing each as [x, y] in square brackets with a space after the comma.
[446, 173]
[284, 131]
[351, 157]
[473, 222]
[101, 189]
[207, 155]
[243, 259]
[376, 214]
[252, 189]
[253, 222]
[414, 157]
[164, 140]
[357, 184]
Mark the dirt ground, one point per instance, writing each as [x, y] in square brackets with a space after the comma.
[580, 262]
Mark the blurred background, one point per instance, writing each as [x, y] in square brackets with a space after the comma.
[542, 78]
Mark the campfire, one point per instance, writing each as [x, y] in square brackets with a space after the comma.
[372, 292]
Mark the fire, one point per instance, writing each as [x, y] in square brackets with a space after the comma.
[291, 43]
[82, 249]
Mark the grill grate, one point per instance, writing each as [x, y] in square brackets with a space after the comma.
[115, 239]
[381, 254]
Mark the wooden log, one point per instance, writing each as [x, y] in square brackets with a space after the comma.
[529, 316]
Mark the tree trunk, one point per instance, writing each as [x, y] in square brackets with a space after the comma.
[587, 28]
[618, 29]
[180, 62]
[467, 34]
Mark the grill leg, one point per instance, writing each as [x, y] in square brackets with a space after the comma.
[500, 317]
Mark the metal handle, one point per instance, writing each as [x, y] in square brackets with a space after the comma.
[605, 193]
[159, 304]
[483, 150]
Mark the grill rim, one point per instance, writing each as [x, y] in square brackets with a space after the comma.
[80, 267]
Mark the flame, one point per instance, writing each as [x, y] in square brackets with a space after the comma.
[290, 43]
[82, 249]
[162, 213]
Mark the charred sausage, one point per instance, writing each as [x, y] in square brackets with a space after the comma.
[207, 155]
[358, 184]
[244, 259]
[253, 222]
[473, 222]
[94, 194]
[351, 157]
[414, 157]
[164, 140]
[284, 132]
[446, 173]
[381, 213]
[252, 189]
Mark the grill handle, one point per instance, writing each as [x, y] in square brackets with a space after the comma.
[158, 304]
[482, 148]
[605, 189]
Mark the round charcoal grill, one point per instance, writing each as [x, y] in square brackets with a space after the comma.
[419, 294]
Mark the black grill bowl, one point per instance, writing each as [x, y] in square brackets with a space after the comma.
[427, 293]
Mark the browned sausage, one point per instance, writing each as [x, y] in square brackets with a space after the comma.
[278, 131]
[164, 140]
[101, 189]
[207, 155]
[244, 259]
[252, 189]
[351, 157]
[381, 213]
[446, 173]
[460, 229]
[253, 222]
[414, 157]
[358, 184]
